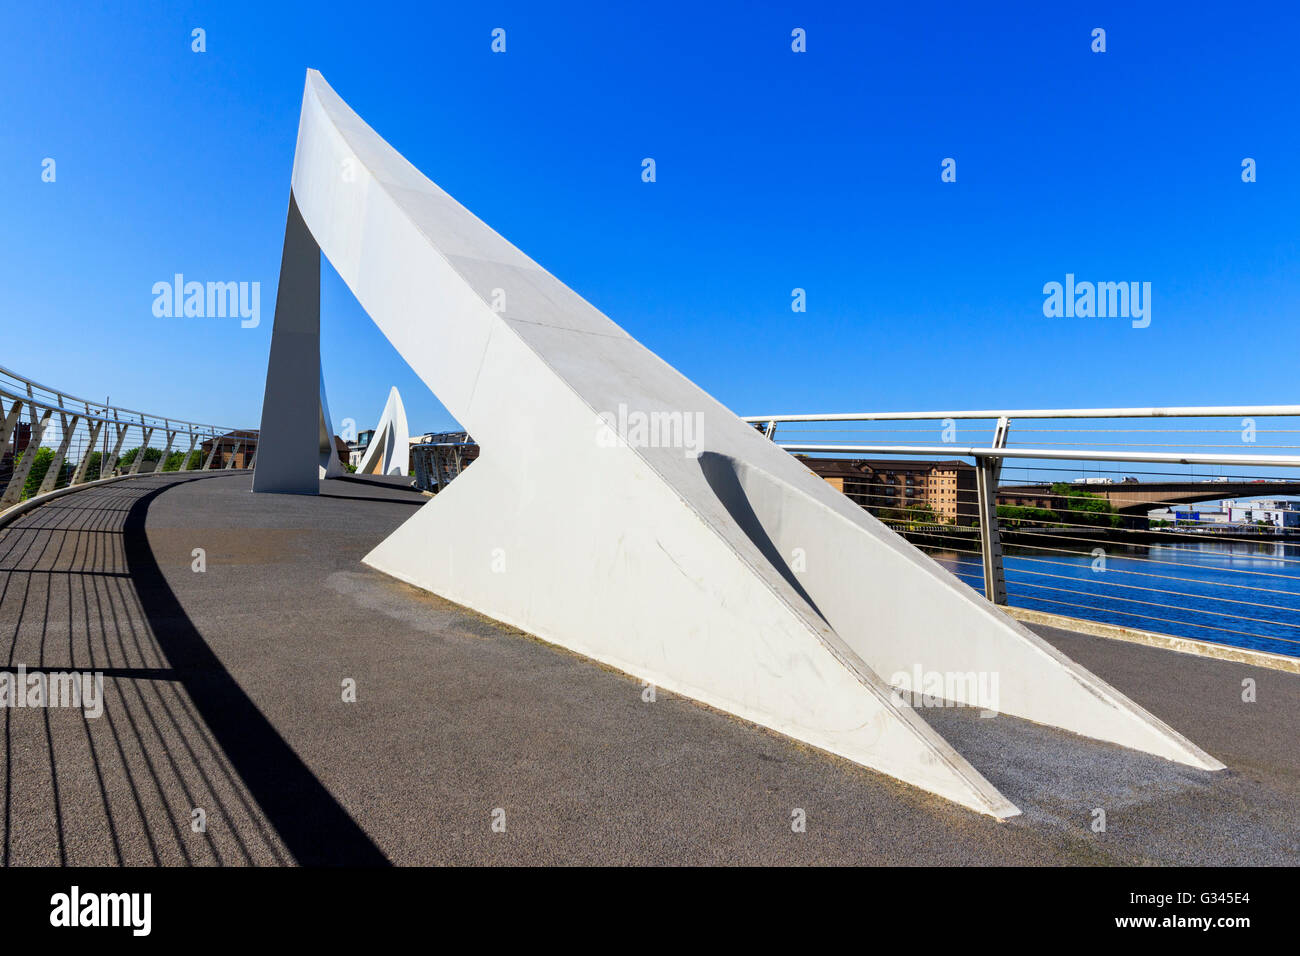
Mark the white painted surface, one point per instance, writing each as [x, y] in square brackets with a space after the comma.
[330, 466]
[389, 450]
[675, 564]
[290, 458]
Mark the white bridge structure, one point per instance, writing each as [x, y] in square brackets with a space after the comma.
[693, 553]
[390, 447]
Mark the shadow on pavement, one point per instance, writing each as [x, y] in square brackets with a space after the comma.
[313, 825]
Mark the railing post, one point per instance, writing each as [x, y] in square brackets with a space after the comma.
[94, 427]
[171, 440]
[56, 466]
[216, 443]
[770, 432]
[9, 425]
[13, 491]
[21, 400]
[185, 462]
[108, 465]
[988, 471]
[144, 446]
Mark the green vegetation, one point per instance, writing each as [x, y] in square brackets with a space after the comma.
[1013, 516]
[129, 456]
[45, 458]
[40, 467]
[174, 460]
[1086, 508]
[92, 466]
[912, 515]
[1080, 508]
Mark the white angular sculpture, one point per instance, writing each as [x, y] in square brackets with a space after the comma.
[389, 451]
[619, 511]
[330, 466]
[292, 441]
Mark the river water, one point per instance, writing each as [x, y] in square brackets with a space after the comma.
[1244, 594]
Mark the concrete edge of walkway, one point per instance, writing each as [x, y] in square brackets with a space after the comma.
[16, 511]
[1169, 642]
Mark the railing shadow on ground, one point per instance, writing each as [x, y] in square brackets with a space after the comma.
[177, 731]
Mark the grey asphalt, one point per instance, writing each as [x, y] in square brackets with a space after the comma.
[224, 693]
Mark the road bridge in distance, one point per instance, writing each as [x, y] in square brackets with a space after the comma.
[1137, 497]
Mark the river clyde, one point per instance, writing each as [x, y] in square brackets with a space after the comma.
[1243, 594]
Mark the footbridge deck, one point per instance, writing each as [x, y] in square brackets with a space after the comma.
[223, 693]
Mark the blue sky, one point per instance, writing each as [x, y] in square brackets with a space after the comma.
[776, 170]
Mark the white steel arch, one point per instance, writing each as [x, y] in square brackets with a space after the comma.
[621, 512]
[389, 451]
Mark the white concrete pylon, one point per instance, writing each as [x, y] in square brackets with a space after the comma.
[293, 427]
[329, 465]
[389, 450]
[619, 511]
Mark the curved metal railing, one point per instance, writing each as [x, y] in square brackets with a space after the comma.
[50, 439]
[1182, 521]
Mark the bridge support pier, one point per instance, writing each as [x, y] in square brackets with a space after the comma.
[390, 448]
[692, 553]
[291, 412]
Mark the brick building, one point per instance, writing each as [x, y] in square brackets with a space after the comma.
[888, 485]
[240, 444]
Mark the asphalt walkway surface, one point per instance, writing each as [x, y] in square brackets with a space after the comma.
[225, 737]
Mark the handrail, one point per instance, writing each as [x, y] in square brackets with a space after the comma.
[1271, 461]
[59, 396]
[79, 448]
[1138, 521]
[1178, 411]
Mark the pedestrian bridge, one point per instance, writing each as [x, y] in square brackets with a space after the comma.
[224, 693]
[337, 669]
